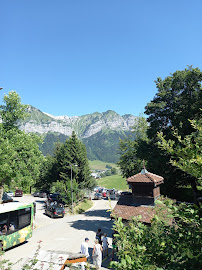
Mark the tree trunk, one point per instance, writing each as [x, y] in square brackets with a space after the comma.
[1, 190]
[195, 191]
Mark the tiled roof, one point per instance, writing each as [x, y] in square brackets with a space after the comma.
[146, 177]
[126, 209]
[127, 212]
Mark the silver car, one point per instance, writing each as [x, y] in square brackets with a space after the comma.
[10, 193]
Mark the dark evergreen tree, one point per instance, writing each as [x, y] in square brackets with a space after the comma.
[72, 156]
[69, 160]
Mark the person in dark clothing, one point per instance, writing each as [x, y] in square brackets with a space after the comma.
[99, 236]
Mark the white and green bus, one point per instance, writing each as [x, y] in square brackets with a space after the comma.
[16, 223]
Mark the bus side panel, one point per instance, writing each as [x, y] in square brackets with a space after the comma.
[16, 237]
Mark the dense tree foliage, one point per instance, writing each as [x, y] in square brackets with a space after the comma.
[173, 241]
[130, 161]
[12, 111]
[20, 157]
[47, 174]
[178, 100]
[73, 152]
[186, 153]
[69, 161]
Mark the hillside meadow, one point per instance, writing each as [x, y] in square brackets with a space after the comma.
[113, 181]
[100, 165]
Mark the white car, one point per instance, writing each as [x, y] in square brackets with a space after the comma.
[10, 193]
[96, 189]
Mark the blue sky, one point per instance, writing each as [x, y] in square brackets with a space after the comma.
[75, 57]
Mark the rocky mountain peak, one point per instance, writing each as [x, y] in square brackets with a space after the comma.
[84, 126]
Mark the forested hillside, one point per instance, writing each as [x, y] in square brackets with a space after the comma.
[103, 145]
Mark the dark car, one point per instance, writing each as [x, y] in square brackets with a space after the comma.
[54, 197]
[43, 194]
[55, 210]
[18, 193]
[36, 194]
[126, 193]
[6, 198]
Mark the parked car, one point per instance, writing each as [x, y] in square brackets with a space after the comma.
[10, 193]
[96, 189]
[104, 193]
[54, 197]
[6, 198]
[97, 196]
[36, 194]
[100, 190]
[126, 193]
[118, 193]
[55, 210]
[43, 194]
[18, 193]
[112, 194]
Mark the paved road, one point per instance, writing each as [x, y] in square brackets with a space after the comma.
[65, 234]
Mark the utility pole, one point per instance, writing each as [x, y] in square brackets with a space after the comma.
[71, 184]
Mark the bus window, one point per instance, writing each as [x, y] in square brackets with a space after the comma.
[13, 222]
[3, 223]
[24, 216]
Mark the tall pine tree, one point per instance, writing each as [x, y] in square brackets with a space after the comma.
[72, 156]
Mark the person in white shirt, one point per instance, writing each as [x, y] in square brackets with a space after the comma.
[97, 254]
[84, 250]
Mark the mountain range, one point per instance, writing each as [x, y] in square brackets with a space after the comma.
[100, 132]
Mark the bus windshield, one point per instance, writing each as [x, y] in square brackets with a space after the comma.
[16, 223]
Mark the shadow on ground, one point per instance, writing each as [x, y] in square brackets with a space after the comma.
[97, 213]
[41, 202]
[93, 225]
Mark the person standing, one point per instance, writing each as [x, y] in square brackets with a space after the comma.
[84, 251]
[99, 236]
[105, 245]
[97, 254]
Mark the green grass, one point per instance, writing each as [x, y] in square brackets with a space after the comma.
[113, 181]
[83, 206]
[100, 165]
